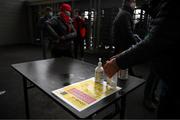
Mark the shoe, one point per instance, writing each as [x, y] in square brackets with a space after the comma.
[156, 100]
[150, 106]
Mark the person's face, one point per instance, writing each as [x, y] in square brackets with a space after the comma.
[51, 13]
[83, 15]
[75, 14]
[133, 4]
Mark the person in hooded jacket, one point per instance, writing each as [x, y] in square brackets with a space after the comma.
[63, 32]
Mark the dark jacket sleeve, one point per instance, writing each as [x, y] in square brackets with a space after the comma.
[161, 41]
[50, 24]
[71, 35]
[129, 29]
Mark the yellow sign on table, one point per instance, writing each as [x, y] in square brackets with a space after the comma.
[82, 95]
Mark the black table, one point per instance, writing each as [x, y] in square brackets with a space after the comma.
[52, 74]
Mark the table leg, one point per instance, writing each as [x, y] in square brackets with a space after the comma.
[123, 107]
[91, 117]
[115, 112]
[26, 97]
[117, 107]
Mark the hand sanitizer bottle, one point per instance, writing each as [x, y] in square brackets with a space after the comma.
[99, 72]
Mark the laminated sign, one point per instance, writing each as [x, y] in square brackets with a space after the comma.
[82, 95]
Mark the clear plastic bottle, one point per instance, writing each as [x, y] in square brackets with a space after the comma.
[99, 72]
[123, 74]
[112, 81]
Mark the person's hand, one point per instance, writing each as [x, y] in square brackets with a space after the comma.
[110, 68]
[137, 38]
[61, 38]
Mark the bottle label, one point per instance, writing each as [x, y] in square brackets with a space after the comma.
[123, 74]
[99, 76]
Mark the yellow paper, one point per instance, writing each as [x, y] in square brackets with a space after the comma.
[83, 94]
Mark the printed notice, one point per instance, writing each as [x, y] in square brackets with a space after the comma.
[83, 94]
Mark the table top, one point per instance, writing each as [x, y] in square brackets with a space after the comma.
[52, 74]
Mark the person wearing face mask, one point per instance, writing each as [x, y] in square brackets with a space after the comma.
[47, 14]
[62, 31]
[41, 33]
[122, 29]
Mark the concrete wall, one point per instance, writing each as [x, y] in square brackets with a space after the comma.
[111, 3]
[84, 4]
[13, 22]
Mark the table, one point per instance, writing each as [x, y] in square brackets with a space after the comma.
[52, 74]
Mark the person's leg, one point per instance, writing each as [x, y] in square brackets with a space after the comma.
[149, 91]
[169, 107]
[76, 48]
[155, 90]
[82, 48]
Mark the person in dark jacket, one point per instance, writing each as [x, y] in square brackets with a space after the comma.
[151, 90]
[161, 47]
[63, 31]
[122, 29]
[47, 14]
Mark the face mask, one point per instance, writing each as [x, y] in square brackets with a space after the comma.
[68, 13]
[51, 13]
[75, 15]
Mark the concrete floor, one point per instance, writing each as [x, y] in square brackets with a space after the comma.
[42, 107]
